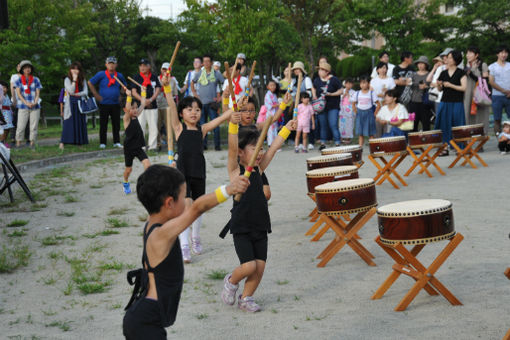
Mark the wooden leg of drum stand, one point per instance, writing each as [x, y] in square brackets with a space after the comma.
[474, 151]
[507, 273]
[383, 171]
[462, 153]
[390, 169]
[348, 238]
[432, 160]
[507, 335]
[316, 226]
[418, 160]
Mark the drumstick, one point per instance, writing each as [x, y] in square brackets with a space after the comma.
[253, 159]
[169, 130]
[298, 94]
[177, 45]
[252, 74]
[134, 81]
[120, 83]
[231, 88]
[234, 69]
[290, 74]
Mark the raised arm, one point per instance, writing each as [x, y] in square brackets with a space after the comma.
[233, 128]
[211, 125]
[174, 117]
[277, 143]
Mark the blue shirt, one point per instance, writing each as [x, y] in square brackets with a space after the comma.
[110, 94]
[29, 97]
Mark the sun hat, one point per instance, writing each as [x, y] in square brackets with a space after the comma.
[506, 122]
[422, 59]
[299, 65]
[24, 63]
[165, 65]
[325, 66]
[241, 56]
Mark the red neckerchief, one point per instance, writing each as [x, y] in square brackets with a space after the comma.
[76, 89]
[24, 82]
[146, 79]
[237, 87]
[111, 80]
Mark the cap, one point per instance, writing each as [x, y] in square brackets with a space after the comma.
[165, 65]
[217, 63]
[446, 51]
[111, 60]
[241, 56]
[144, 61]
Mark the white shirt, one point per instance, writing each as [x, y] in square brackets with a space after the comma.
[363, 100]
[434, 90]
[243, 82]
[501, 76]
[399, 111]
[389, 73]
[381, 85]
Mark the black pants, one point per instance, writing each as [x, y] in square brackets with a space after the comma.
[195, 187]
[422, 115]
[105, 111]
[143, 321]
[504, 146]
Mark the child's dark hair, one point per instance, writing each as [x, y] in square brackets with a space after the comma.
[156, 184]
[3, 83]
[349, 80]
[392, 93]
[304, 95]
[188, 102]
[248, 136]
[277, 87]
[364, 78]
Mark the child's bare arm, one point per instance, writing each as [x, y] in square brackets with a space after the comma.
[211, 125]
[233, 139]
[174, 118]
[277, 143]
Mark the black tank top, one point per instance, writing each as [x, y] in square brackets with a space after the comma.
[134, 136]
[190, 147]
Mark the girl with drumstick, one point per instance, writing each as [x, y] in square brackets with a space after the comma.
[250, 222]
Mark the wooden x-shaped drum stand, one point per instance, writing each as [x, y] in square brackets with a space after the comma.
[407, 263]
[388, 167]
[473, 146]
[425, 159]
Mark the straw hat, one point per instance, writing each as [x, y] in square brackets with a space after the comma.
[325, 66]
[422, 59]
[24, 63]
[506, 122]
[299, 65]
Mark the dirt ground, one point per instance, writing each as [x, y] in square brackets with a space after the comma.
[84, 234]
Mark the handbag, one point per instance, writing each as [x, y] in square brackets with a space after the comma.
[319, 104]
[405, 97]
[481, 95]
[87, 105]
[408, 123]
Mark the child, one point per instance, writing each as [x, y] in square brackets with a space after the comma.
[346, 113]
[504, 138]
[250, 222]
[392, 114]
[158, 284]
[271, 103]
[363, 106]
[305, 113]
[134, 140]
[6, 114]
[189, 135]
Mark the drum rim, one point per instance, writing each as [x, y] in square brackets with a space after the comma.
[422, 212]
[345, 188]
[343, 147]
[419, 240]
[430, 132]
[348, 211]
[388, 139]
[383, 153]
[339, 156]
[467, 126]
[315, 174]
[438, 144]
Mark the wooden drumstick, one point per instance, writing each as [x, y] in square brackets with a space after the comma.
[250, 79]
[120, 83]
[169, 130]
[260, 142]
[174, 55]
[231, 88]
[290, 77]
[134, 81]
[298, 94]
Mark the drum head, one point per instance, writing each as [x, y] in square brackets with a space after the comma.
[347, 185]
[463, 127]
[414, 208]
[421, 133]
[386, 139]
[341, 149]
[328, 158]
[332, 171]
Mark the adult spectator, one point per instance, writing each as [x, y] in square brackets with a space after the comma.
[403, 73]
[499, 78]
[306, 84]
[28, 90]
[322, 59]
[331, 87]
[380, 84]
[162, 103]
[108, 100]
[208, 81]
[439, 66]
[452, 82]
[15, 100]
[217, 66]
[418, 87]
[239, 84]
[186, 88]
[74, 126]
[149, 115]
[475, 70]
[245, 69]
[384, 57]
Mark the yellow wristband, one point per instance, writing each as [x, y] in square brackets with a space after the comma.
[284, 133]
[233, 129]
[226, 101]
[283, 106]
[129, 99]
[221, 194]
[167, 89]
[144, 94]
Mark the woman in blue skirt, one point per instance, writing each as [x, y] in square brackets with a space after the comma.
[452, 82]
[74, 128]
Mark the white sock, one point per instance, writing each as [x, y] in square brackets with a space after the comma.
[195, 227]
[184, 238]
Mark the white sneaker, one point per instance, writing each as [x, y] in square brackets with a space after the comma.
[503, 152]
[102, 146]
[310, 146]
[117, 145]
[300, 147]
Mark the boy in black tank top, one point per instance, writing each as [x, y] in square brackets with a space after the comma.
[158, 284]
[250, 222]
[191, 162]
[134, 140]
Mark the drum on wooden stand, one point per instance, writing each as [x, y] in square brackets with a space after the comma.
[467, 131]
[326, 161]
[346, 197]
[387, 145]
[425, 138]
[355, 150]
[325, 175]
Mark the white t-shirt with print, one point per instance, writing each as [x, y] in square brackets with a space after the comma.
[363, 100]
[380, 85]
[243, 82]
[501, 76]
[386, 114]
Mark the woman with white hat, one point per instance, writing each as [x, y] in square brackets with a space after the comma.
[419, 86]
[306, 84]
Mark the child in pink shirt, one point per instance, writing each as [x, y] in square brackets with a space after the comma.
[305, 114]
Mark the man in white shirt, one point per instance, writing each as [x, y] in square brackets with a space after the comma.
[499, 78]
[385, 58]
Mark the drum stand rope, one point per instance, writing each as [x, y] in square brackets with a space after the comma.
[471, 150]
[347, 234]
[425, 159]
[388, 167]
[407, 263]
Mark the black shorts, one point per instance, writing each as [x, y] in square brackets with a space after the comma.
[251, 246]
[143, 321]
[129, 155]
[195, 187]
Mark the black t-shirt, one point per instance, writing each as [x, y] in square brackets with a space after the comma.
[190, 148]
[333, 86]
[150, 89]
[450, 95]
[399, 72]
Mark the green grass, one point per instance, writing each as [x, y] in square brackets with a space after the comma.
[116, 223]
[96, 186]
[17, 233]
[108, 232]
[282, 282]
[55, 239]
[217, 274]
[66, 213]
[201, 316]
[17, 223]
[117, 211]
[70, 199]
[92, 287]
[63, 325]
[13, 257]
[118, 266]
